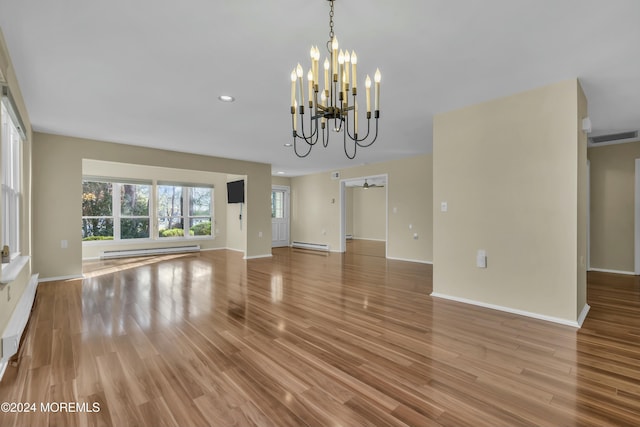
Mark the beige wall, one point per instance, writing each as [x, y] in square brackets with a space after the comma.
[316, 206]
[154, 174]
[509, 169]
[348, 203]
[281, 180]
[612, 206]
[18, 286]
[57, 165]
[369, 213]
[315, 210]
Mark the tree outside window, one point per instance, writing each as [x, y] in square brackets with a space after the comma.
[97, 210]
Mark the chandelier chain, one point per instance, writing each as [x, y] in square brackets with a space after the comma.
[331, 22]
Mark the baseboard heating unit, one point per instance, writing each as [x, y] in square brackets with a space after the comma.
[18, 321]
[313, 246]
[125, 253]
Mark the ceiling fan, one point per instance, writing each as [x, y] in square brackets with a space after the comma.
[366, 185]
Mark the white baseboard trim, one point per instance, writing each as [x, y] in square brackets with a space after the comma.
[410, 260]
[604, 270]
[258, 256]
[55, 279]
[234, 249]
[366, 238]
[212, 249]
[583, 314]
[511, 310]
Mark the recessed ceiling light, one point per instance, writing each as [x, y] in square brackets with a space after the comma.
[226, 98]
[288, 144]
[280, 173]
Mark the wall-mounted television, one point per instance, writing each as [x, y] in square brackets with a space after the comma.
[235, 191]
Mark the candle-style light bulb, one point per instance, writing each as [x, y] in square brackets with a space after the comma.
[367, 85]
[347, 68]
[341, 70]
[316, 59]
[294, 77]
[377, 78]
[310, 79]
[354, 62]
[334, 55]
[326, 74]
[295, 116]
[299, 73]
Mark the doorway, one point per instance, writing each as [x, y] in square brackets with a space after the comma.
[363, 214]
[280, 216]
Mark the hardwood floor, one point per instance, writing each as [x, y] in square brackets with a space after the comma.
[317, 339]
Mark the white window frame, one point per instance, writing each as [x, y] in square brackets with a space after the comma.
[116, 209]
[117, 204]
[154, 217]
[11, 189]
[186, 217]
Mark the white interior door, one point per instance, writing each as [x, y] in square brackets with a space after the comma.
[279, 216]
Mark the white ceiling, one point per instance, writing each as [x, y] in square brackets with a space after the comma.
[148, 72]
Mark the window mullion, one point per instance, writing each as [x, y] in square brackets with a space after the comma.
[115, 203]
[185, 210]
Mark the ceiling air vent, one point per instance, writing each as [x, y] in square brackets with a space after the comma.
[612, 137]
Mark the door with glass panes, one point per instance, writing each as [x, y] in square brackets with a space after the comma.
[279, 216]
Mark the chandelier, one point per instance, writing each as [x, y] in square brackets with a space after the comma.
[331, 105]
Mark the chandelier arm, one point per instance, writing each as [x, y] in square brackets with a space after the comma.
[314, 132]
[374, 138]
[354, 136]
[324, 142]
[295, 149]
[355, 148]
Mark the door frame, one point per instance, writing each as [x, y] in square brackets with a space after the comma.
[637, 220]
[343, 210]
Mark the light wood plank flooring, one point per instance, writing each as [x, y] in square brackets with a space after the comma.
[314, 339]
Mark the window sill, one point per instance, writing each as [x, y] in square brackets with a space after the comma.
[11, 270]
[144, 241]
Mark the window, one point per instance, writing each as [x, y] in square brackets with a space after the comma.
[134, 211]
[124, 210]
[277, 204]
[115, 210]
[97, 210]
[184, 211]
[11, 178]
